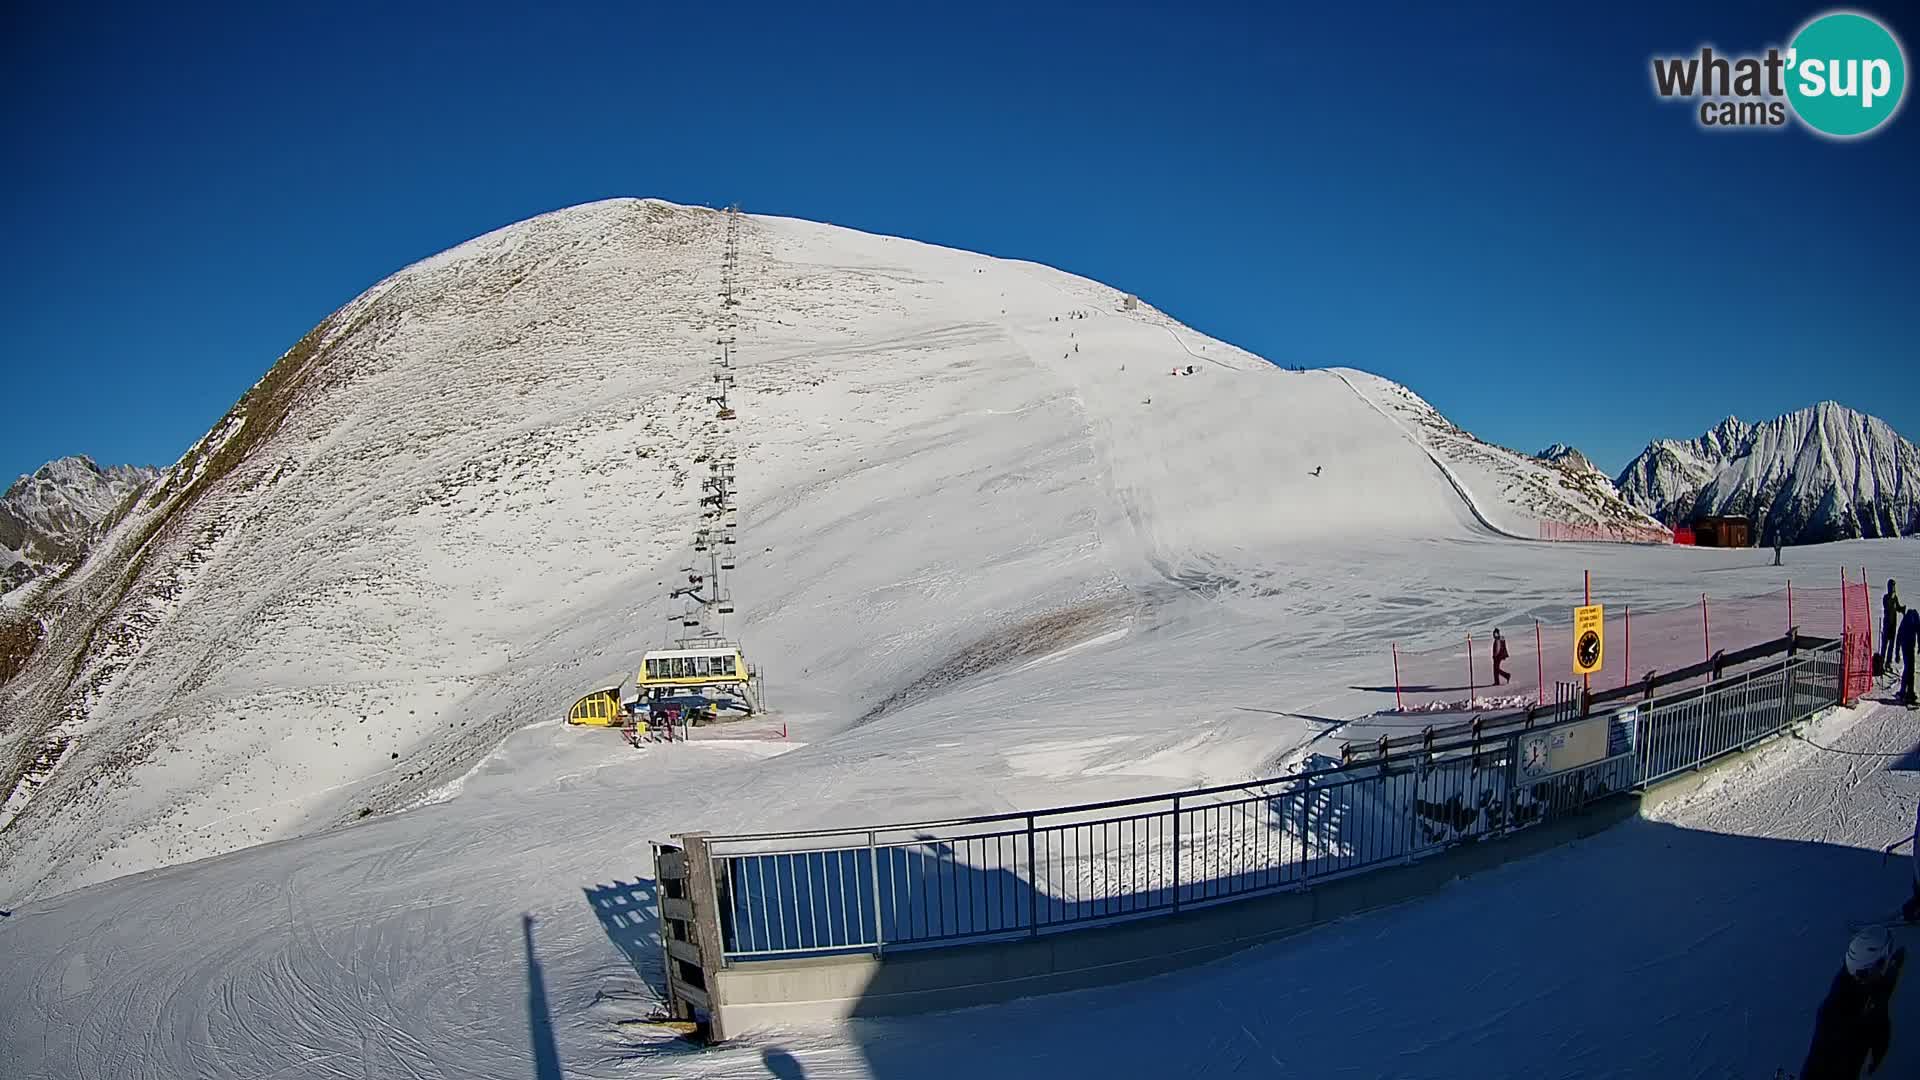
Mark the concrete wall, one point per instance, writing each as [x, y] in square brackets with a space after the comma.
[774, 993]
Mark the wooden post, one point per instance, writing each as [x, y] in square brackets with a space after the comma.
[1398, 703]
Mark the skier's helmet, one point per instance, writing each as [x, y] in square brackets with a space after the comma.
[1867, 952]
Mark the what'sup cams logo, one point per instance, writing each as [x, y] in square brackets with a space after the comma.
[1843, 76]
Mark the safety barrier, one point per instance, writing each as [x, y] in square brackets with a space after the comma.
[927, 884]
[1460, 677]
[1593, 533]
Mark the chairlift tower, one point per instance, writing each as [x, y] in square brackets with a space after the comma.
[708, 598]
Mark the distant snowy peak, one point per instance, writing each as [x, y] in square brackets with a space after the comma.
[1823, 473]
[1567, 458]
[49, 518]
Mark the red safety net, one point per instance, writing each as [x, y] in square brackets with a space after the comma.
[1857, 653]
[1605, 534]
[1460, 677]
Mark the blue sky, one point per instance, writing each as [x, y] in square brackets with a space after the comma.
[1489, 206]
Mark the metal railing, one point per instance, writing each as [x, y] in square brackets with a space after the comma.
[1009, 875]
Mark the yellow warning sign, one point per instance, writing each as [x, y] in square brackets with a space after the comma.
[1589, 638]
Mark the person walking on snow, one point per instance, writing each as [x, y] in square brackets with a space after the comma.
[1500, 654]
[1852, 1028]
[1909, 636]
[1889, 620]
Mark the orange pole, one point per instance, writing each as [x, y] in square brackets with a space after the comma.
[1846, 628]
[1868, 608]
[1706, 634]
[1397, 702]
[1540, 667]
[1586, 681]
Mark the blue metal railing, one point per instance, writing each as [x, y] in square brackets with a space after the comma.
[1008, 875]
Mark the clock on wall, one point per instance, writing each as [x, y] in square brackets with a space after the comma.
[1533, 756]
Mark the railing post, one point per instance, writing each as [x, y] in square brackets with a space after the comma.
[1707, 700]
[1176, 852]
[704, 897]
[873, 864]
[1033, 885]
[1513, 782]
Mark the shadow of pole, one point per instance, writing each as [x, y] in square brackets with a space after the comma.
[546, 1055]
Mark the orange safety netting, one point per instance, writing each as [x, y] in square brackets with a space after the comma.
[1461, 676]
[1567, 531]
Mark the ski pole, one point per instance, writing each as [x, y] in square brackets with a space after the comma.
[1893, 847]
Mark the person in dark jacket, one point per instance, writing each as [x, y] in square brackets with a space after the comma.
[1500, 654]
[1852, 1028]
[1909, 637]
[1889, 624]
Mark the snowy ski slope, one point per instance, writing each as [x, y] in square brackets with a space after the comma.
[996, 557]
[462, 497]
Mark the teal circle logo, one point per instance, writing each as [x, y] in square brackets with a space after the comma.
[1845, 74]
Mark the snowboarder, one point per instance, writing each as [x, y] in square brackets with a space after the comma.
[1889, 620]
[1909, 637]
[1500, 654]
[1852, 1028]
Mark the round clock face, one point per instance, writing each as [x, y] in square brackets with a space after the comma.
[1589, 649]
[1533, 757]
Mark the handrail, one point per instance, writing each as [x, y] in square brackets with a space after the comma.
[1496, 722]
[1141, 800]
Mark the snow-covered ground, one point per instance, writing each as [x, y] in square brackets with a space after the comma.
[1694, 944]
[996, 556]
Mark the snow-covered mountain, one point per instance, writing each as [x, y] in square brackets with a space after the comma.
[1820, 474]
[1568, 458]
[48, 518]
[1663, 480]
[460, 500]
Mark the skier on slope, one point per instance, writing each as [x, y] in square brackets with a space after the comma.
[1852, 1029]
[1889, 623]
[1909, 636]
[1500, 654]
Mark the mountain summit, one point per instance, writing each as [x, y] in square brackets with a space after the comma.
[462, 499]
[1822, 473]
[48, 518]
